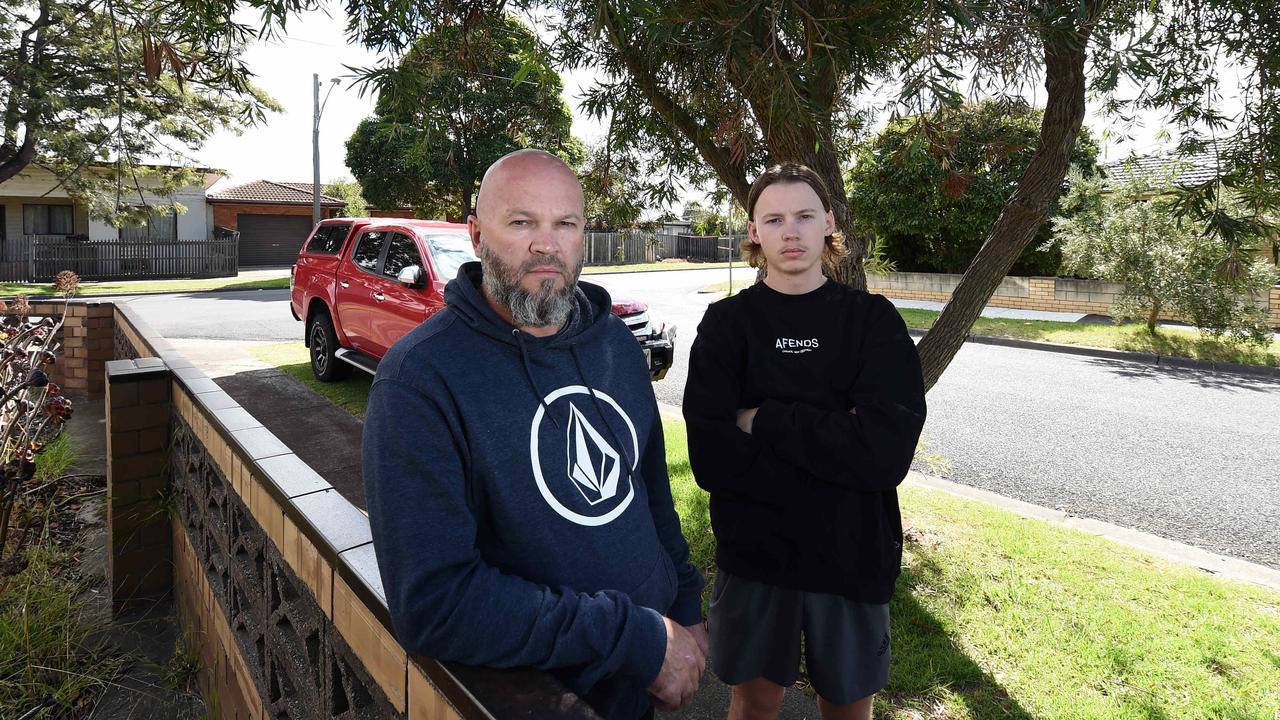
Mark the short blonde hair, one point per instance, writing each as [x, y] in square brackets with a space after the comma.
[833, 247]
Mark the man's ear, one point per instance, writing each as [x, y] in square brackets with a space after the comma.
[473, 230]
[831, 223]
[752, 233]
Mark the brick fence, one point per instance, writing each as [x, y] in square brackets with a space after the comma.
[1030, 293]
[86, 342]
[273, 571]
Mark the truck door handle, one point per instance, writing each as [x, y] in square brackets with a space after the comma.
[344, 283]
[377, 296]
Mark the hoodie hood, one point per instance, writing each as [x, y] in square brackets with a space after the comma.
[592, 308]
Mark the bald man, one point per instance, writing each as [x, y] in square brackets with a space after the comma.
[515, 470]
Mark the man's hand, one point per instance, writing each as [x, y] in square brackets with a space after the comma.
[700, 636]
[745, 418]
[681, 671]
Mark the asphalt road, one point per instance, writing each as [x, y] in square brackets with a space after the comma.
[1187, 455]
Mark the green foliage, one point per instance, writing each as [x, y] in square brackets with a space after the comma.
[462, 97]
[932, 186]
[348, 191]
[710, 221]
[183, 668]
[702, 88]
[1133, 235]
[1169, 341]
[612, 188]
[94, 91]
[48, 641]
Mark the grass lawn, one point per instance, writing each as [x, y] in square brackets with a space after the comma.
[351, 394]
[49, 640]
[9, 289]
[1175, 341]
[597, 269]
[999, 616]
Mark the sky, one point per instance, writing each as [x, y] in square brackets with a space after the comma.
[280, 148]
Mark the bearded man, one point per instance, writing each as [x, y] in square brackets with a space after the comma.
[515, 469]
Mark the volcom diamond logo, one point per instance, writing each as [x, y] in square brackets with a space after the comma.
[593, 464]
[588, 484]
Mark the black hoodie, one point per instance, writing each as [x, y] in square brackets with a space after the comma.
[808, 500]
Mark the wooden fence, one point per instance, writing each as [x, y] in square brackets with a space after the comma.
[633, 246]
[39, 258]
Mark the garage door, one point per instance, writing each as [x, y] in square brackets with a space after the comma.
[272, 239]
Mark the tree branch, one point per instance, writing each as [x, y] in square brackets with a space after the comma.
[731, 173]
[1026, 210]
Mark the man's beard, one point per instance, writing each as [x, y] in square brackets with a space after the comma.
[545, 307]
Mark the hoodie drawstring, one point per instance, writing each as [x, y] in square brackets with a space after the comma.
[528, 373]
[573, 351]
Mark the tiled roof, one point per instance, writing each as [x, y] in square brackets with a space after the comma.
[1191, 169]
[278, 193]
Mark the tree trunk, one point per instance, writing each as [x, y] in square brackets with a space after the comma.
[1153, 316]
[12, 165]
[1064, 58]
[30, 61]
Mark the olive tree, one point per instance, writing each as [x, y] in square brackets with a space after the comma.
[1168, 264]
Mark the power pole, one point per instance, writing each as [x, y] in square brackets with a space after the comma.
[315, 151]
[315, 143]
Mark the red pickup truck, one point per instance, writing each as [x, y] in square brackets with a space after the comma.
[360, 284]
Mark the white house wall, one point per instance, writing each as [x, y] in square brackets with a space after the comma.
[194, 223]
[99, 230]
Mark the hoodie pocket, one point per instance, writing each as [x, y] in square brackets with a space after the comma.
[658, 590]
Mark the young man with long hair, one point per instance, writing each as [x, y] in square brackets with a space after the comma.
[804, 403]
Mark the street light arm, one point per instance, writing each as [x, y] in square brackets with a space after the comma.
[325, 103]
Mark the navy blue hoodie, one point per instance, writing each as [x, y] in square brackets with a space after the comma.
[519, 499]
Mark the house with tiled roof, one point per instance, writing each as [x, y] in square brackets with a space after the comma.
[273, 218]
[1188, 169]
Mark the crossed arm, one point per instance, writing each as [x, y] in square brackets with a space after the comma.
[866, 447]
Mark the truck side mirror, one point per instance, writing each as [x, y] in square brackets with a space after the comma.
[412, 277]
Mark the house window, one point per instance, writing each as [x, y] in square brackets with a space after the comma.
[46, 220]
[157, 226]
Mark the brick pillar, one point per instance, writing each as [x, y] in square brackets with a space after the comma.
[100, 338]
[139, 544]
[88, 337]
[1274, 306]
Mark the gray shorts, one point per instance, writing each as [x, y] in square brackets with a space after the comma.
[756, 630]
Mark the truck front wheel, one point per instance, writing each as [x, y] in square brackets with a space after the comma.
[324, 343]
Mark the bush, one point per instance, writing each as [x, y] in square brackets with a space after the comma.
[931, 187]
[32, 412]
[1167, 263]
